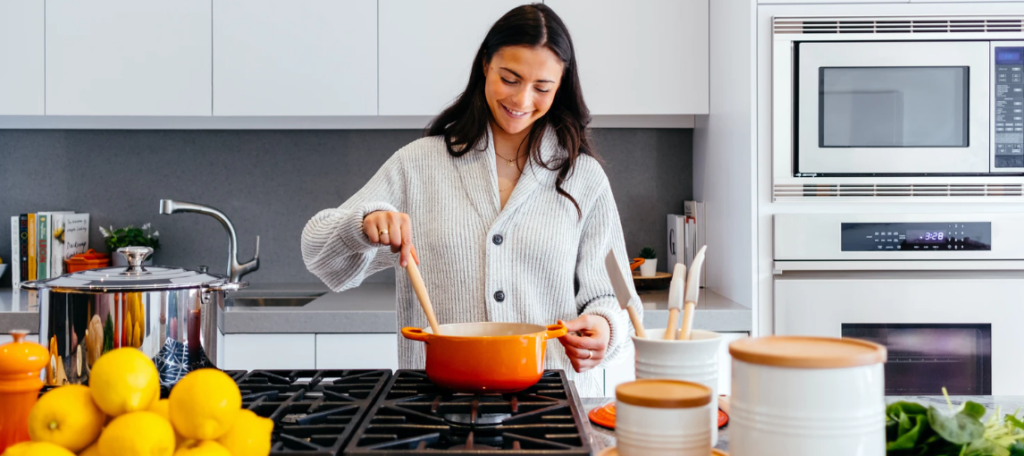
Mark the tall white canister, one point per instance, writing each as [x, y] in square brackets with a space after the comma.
[694, 360]
[807, 395]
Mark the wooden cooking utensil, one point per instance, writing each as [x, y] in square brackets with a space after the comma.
[675, 300]
[421, 294]
[611, 265]
[692, 293]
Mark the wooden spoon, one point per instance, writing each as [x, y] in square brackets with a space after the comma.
[692, 293]
[421, 294]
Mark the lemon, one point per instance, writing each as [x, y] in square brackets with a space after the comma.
[138, 434]
[205, 448]
[92, 450]
[205, 404]
[161, 407]
[250, 436]
[123, 381]
[37, 449]
[66, 416]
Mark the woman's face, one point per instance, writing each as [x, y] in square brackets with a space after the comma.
[521, 85]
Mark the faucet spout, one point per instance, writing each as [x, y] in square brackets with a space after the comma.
[235, 271]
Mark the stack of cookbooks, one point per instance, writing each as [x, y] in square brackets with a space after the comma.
[41, 241]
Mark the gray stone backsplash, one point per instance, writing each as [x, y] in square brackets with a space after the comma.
[269, 182]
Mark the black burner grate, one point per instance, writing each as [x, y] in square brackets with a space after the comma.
[416, 417]
[315, 412]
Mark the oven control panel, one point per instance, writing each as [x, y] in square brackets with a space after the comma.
[927, 237]
[1008, 106]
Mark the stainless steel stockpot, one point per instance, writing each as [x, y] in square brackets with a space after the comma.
[168, 313]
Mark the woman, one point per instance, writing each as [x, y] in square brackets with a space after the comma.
[512, 214]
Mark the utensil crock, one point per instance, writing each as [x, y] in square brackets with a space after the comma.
[487, 357]
[694, 360]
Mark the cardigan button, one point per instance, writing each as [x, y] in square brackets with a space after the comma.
[499, 296]
[497, 239]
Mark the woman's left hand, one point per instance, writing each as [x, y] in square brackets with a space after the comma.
[586, 350]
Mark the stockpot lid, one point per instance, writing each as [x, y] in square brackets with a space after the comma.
[135, 277]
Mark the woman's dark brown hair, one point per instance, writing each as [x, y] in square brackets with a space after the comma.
[464, 123]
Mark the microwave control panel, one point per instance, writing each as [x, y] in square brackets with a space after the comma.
[1009, 106]
[916, 237]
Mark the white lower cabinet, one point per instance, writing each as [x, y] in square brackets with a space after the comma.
[269, 351]
[7, 338]
[624, 370]
[357, 351]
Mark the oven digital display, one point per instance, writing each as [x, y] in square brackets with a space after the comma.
[926, 237]
[916, 237]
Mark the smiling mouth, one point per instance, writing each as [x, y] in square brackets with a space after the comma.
[514, 114]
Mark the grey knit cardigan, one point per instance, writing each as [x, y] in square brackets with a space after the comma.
[481, 262]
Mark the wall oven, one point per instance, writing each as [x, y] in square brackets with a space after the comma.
[892, 98]
[943, 292]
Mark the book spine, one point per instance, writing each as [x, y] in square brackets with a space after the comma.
[42, 249]
[23, 246]
[15, 253]
[57, 244]
[33, 270]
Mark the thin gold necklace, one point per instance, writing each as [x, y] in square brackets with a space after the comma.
[511, 163]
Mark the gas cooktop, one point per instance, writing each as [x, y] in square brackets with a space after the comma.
[314, 411]
[372, 412]
[413, 417]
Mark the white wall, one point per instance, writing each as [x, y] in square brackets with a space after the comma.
[723, 144]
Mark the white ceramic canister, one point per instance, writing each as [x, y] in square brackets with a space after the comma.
[694, 360]
[658, 417]
[807, 395]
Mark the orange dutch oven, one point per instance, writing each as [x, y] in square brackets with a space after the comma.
[486, 357]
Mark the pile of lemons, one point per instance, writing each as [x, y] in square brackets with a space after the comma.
[120, 413]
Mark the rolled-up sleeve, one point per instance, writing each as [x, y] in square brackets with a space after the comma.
[334, 247]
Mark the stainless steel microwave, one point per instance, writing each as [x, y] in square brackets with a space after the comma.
[912, 108]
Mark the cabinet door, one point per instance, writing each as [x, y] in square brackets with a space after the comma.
[269, 351]
[294, 57]
[427, 48]
[128, 57]
[21, 51]
[650, 57]
[357, 351]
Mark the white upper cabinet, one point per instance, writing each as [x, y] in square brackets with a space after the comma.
[128, 57]
[641, 57]
[294, 57]
[21, 57]
[427, 48]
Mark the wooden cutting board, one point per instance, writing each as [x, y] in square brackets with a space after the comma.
[661, 280]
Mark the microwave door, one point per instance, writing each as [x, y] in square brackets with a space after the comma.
[893, 108]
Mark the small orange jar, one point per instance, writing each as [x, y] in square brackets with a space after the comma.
[20, 363]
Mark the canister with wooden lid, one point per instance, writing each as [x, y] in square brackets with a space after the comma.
[807, 395]
[656, 417]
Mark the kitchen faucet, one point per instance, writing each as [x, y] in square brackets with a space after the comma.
[235, 270]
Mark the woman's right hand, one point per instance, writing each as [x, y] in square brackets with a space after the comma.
[394, 229]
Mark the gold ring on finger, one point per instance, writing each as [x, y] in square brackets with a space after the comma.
[383, 232]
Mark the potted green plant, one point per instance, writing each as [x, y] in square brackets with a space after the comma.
[650, 266]
[130, 236]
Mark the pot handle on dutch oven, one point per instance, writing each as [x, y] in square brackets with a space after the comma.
[414, 334]
[555, 331]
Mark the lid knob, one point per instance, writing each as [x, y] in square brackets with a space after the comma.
[135, 257]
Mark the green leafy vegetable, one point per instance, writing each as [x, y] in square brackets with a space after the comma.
[958, 428]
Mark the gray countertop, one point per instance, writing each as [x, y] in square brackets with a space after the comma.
[603, 438]
[370, 308]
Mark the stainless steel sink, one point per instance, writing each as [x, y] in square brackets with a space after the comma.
[272, 301]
